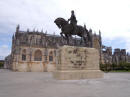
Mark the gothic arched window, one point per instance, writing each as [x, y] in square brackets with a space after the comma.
[51, 56]
[38, 55]
[24, 55]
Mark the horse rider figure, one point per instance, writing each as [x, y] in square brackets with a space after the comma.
[73, 20]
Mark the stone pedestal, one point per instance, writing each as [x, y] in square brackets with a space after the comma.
[77, 63]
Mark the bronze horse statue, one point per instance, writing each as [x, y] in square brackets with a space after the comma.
[68, 31]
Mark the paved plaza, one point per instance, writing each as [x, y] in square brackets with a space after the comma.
[42, 84]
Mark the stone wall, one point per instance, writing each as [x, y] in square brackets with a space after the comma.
[119, 55]
[35, 59]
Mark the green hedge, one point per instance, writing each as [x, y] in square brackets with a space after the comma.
[1, 64]
[110, 67]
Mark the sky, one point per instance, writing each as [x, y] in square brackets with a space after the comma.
[111, 17]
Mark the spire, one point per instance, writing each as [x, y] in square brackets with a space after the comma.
[90, 30]
[34, 30]
[84, 25]
[99, 32]
[17, 28]
[28, 30]
[46, 32]
[100, 35]
[13, 36]
[42, 31]
[100, 39]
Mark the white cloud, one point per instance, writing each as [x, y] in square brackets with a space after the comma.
[112, 17]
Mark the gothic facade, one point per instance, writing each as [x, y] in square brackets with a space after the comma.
[36, 51]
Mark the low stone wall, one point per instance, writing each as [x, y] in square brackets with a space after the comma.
[33, 67]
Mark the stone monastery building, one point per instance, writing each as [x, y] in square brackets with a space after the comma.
[36, 51]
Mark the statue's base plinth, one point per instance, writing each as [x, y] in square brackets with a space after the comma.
[77, 74]
[77, 63]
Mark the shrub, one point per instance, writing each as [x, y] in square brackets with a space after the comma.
[1, 64]
[109, 67]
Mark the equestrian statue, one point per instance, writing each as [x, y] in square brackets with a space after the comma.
[69, 29]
